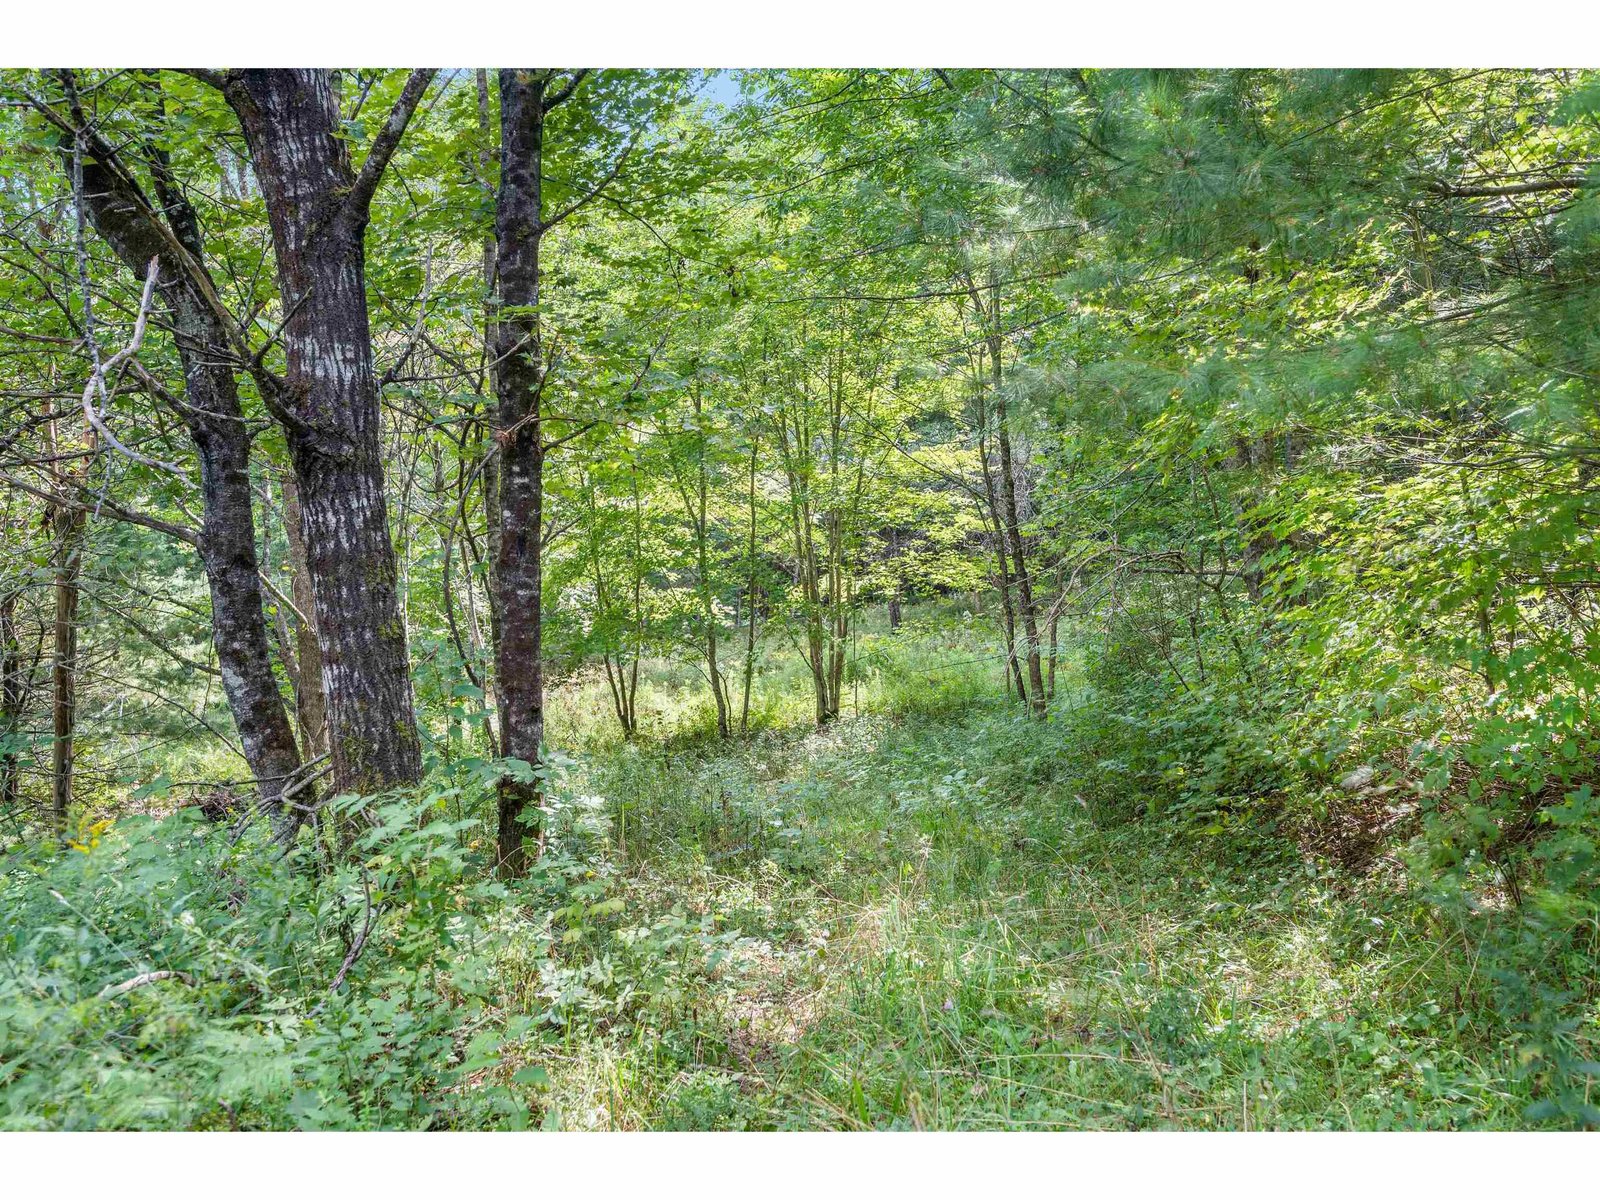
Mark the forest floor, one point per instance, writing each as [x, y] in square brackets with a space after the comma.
[922, 925]
[934, 913]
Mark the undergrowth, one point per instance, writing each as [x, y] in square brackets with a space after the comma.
[935, 913]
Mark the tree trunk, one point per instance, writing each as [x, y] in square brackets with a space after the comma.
[228, 552]
[892, 537]
[68, 525]
[1013, 533]
[125, 218]
[697, 501]
[630, 687]
[839, 619]
[797, 468]
[69, 530]
[990, 509]
[517, 377]
[622, 683]
[1055, 649]
[311, 705]
[489, 463]
[11, 693]
[719, 692]
[750, 634]
[318, 209]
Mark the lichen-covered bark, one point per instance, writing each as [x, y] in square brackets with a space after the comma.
[318, 213]
[517, 565]
[126, 219]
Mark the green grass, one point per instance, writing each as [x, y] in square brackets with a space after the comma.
[934, 913]
[935, 931]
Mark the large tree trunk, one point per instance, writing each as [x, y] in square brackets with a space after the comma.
[127, 221]
[517, 566]
[238, 628]
[318, 209]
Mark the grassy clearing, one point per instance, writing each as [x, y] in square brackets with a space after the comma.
[933, 930]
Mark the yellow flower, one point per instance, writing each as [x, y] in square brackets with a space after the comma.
[89, 835]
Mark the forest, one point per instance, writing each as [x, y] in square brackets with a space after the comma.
[927, 599]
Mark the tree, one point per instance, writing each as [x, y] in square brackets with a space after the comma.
[166, 236]
[318, 206]
[609, 125]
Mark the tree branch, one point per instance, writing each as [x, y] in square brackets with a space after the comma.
[386, 143]
[565, 94]
[138, 981]
[1566, 183]
[95, 413]
[609, 178]
[216, 79]
[182, 532]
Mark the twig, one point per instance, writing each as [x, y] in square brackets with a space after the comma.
[138, 981]
[356, 946]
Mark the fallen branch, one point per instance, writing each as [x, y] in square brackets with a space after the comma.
[111, 991]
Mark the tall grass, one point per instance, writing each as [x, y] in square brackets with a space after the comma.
[937, 932]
